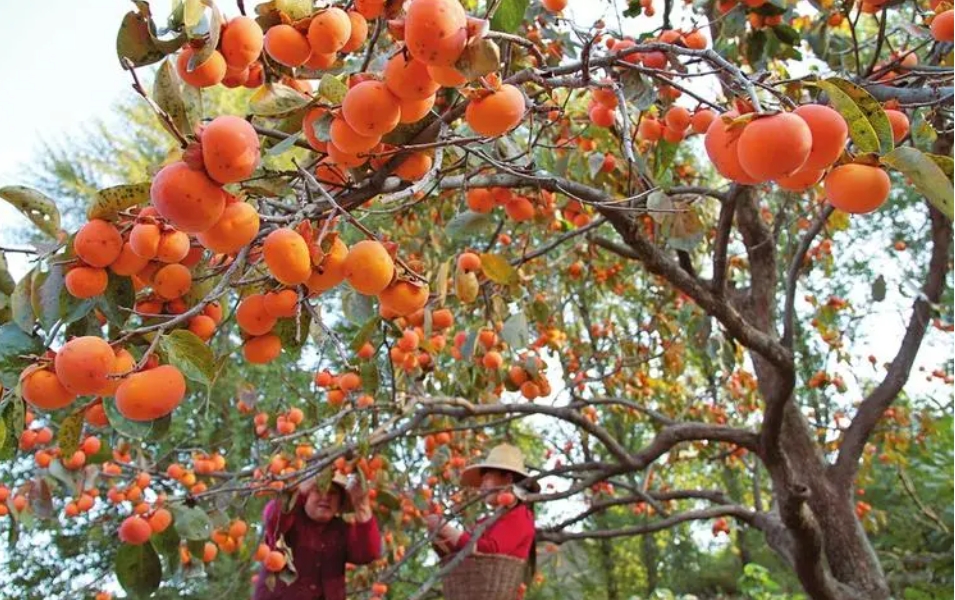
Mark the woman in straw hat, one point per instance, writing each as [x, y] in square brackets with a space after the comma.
[320, 540]
[513, 533]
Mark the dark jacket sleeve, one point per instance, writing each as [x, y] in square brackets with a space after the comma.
[276, 522]
[363, 542]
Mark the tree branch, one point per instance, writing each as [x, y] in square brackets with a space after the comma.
[792, 275]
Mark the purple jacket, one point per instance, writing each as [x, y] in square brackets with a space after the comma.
[319, 551]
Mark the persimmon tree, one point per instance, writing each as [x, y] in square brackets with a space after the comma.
[432, 226]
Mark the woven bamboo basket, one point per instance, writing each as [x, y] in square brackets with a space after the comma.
[485, 577]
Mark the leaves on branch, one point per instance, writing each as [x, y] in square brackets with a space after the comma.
[34, 205]
[138, 569]
[187, 352]
[869, 127]
[926, 174]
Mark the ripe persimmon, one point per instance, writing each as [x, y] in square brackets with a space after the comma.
[408, 79]
[403, 298]
[150, 394]
[943, 26]
[359, 32]
[122, 364]
[172, 281]
[230, 149]
[446, 76]
[331, 271]
[899, 122]
[776, 146]
[829, 134]
[128, 263]
[286, 46]
[209, 73]
[329, 31]
[801, 180]
[496, 113]
[650, 129]
[274, 561]
[413, 111]
[241, 42]
[857, 188]
[173, 247]
[677, 118]
[41, 388]
[480, 200]
[135, 530]
[238, 225]
[721, 145]
[83, 363]
[368, 267]
[371, 109]
[252, 317]
[348, 140]
[262, 349]
[86, 282]
[287, 256]
[187, 197]
[281, 304]
[344, 160]
[415, 166]
[701, 120]
[98, 243]
[436, 31]
[203, 326]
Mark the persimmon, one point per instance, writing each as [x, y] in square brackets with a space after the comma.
[238, 225]
[41, 388]
[173, 247]
[492, 360]
[274, 561]
[857, 188]
[286, 46]
[203, 326]
[358, 34]
[480, 200]
[677, 118]
[187, 197]
[330, 272]
[160, 520]
[695, 40]
[281, 304]
[368, 267]
[230, 149]
[122, 364]
[554, 6]
[899, 122]
[213, 310]
[172, 281]
[520, 209]
[650, 129]
[128, 262]
[209, 73]
[252, 316]
[435, 31]
[721, 145]
[308, 128]
[321, 62]
[329, 175]
[241, 42]
[348, 140]
[343, 159]
[371, 109]
[497, 113]
[776, 146]
[151, 394]
[674, 136]
[409, 79]
[442, 319]
[403, 298]
[287, 256]
[801, 180]
[829, 134]
[135, 530]
[414, 166]
[601, 116]
[469, 262]
[448, 77]
[329, 31]
[943, 26]
[83, 364]
[95, 415]
[413, 111]
[86, 282]
[701, 120]
[144, 240]
[98, 243]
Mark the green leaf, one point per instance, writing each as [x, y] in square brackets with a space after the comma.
[515, 331]
[135, 42]
[137, 430]
[276, 100]
[51, 301]
[107, 203]
[926, 175]
[191, 523]
[595, 162]
[36, 206]
[478, 59]
[167, 92]
[498, 269]
[14, 343]
[787, 34]
[293, 337]
[509, 15]
[869, 128]
[7, 283]
[21, 303]
[68, 436]
[755, 46]
[166, 544]
[365, 333]
[370, 377]
[332, 89]
[468, 224]
[138, 569]
[119, 294]
[878, 289]
[285, 145]
[663, 157]
[207, 30]
[105, 453]
[186, 351]
[944, 163]
[357, 307]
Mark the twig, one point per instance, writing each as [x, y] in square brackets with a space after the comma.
[162, 114]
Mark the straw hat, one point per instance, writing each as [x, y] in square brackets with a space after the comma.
[504, 457]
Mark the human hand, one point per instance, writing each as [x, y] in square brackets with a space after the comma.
[433, 522]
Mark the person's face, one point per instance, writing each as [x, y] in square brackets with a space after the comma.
[493, 478]
[323, 505]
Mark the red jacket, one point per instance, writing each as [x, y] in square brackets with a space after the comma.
[319, 552]
[512, 534]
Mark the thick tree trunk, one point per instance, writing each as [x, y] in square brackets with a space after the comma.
[607, 564]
